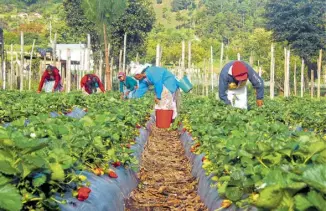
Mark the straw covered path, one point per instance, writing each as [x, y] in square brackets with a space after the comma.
[165, 176]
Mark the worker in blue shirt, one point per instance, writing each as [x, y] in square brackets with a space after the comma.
[232, 84]
[165, 86]
[141, 91]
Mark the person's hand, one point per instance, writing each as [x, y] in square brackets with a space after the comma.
[136, 87]
[260, 103]
[53, 90]
[38, 91]
[157, 101]
[122, 96]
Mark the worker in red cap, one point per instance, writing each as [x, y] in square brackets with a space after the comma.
[232, 84]
[90, 84]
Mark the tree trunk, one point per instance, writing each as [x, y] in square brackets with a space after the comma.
[107, 63]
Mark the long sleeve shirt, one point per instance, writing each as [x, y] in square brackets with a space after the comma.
[55, 76]
[88, 88]
[226, 78]
[159, 76]
[142, 89]
[130, 84]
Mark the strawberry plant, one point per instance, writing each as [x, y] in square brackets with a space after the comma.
[42, 159]
[255, 157]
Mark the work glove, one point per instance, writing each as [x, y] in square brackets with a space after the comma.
[260, 103]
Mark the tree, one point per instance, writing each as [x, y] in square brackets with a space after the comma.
[301, 23]
[137, 21]
[104, 13]
[79, 25]
[182, 5]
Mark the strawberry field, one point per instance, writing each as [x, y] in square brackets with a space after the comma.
[269, 158]
[40, 159]
[272, 158]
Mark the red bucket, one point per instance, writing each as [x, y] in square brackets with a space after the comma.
[163, 118]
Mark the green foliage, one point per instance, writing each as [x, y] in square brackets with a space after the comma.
[137, 21]
[301, 23]
[256, 156]
[182, 5]
[41, 159]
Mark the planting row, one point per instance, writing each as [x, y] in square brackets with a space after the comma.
[255, 158]
[42, 160]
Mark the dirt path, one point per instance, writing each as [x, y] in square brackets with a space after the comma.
[165, 176]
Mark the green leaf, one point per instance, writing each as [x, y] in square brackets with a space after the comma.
[315, 176]
[10, 198]
[87, 121]
[302, 203]
[57, 172]
[234, 193]
[4, 180]
[6, 168]
[270, 197]
[317, 200]
[39, 181]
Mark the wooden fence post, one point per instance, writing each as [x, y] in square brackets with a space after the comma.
[124, 53]
[11, 67]
[312, 83]
[295, 78]
[319, 72]
[183, 56]
[272, 73]
[21, 75]
[288, 73]
[212, 69]
[157, 63]
[88, 53]
[189, 55]
[68, 66]
[54, 50]
[112, 71]
[120, 61]
[302, 77]
[30, 68]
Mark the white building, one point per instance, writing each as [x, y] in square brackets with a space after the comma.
[78, 54]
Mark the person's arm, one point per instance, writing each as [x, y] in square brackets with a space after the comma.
[132, 83]
[223, 87]
[158, 88]
[40, 86]
[121, 86]
[100, 85]
[82, 82]
[256, 81]
[57, 78]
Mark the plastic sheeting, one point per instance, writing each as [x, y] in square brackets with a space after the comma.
[209, 195]
[109, 194]
[77, 113]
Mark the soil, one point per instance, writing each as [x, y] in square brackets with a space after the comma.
[166, 183]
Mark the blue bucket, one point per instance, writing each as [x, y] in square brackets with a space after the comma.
[185, 84]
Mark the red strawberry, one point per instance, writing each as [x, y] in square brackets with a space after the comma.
[112, 174]
[128, 146]
[116, 164]
[138, 126]
[204, 158]
[86, 109]
[83, 193]
[184, 130]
